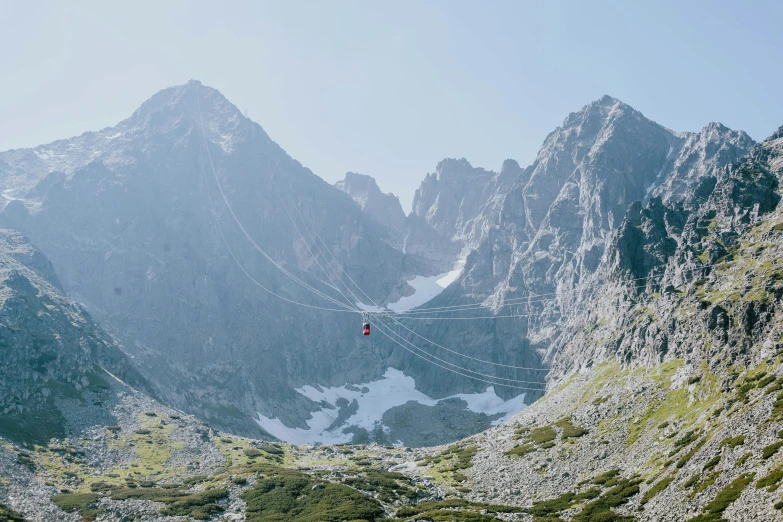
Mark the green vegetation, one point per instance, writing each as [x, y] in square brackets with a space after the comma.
[9, 515]
[448, 515]
[200, 506]
[542, 435]
[742, 459]
[724, 498]
[692, 481]
[566, 500]
[706, 482]
[770, 450]
[597, 506]
[601, 507]
[272, 449]
[283, 494]
[84, 503]
[683, 441]
[657, 488]
[463, 454]
[444, 510]
[714, 461]
[569, 429]
[772, 480]
[685, 458]
[607, 477]
[521, 450]
[388, 485]
[733, 442]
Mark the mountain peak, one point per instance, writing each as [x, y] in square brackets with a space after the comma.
[192, 98]
[383, 208]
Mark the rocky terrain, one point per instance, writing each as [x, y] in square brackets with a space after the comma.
[186, 217]
[650, 283]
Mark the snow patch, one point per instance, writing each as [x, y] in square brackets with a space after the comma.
[426, 288]
[405, 242]
[373, 400]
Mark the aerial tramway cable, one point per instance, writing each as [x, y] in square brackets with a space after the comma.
[247, 235]
[317, 237]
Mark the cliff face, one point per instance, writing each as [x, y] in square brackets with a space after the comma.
[384, 209]
[58, 371]
[553, 225]
[207, 251]
[669, 379]
[162, 250]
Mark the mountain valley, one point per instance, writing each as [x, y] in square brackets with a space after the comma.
[594, 337]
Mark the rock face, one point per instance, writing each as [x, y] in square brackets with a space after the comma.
[223, 265]
[162, 250]
[670, 378]
[385, 209]
[537, 259]
[454, 207]
[58, 371]
[699, 155]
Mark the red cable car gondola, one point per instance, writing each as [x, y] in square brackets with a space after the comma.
[366, 323]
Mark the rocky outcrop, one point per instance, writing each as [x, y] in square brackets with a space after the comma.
[556, 224]
[698, 156]
[454, 208]
[161, 249]
[58, 371]
[385, 209]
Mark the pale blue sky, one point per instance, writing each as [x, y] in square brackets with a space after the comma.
[390, 88]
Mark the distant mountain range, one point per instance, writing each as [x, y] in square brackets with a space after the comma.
[194, 240]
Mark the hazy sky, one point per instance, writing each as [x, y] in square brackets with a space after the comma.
[390, 88]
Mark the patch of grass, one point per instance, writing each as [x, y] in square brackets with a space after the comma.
[770, 450]
[566, 500]
[685, 458]
[389, 486]
[686, 439]
[724, 498]
[569, 429]
[521, 450]
[733, 442]
[692, 481]
[83, 503]
[201, 506]
[657, 488]
[605, 477]
[714, 461]
[742, 459]
[772, 479]
[707, 481]
[9, 515]
[287, 495]
[601, 507]
[424, 509]
[542, 435]
[272, 449]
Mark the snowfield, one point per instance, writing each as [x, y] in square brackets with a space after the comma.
[426, 288]
[373, 400]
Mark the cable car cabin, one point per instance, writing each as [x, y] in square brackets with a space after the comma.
[365, 323]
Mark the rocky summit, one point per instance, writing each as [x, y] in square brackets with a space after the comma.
[593, 337]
